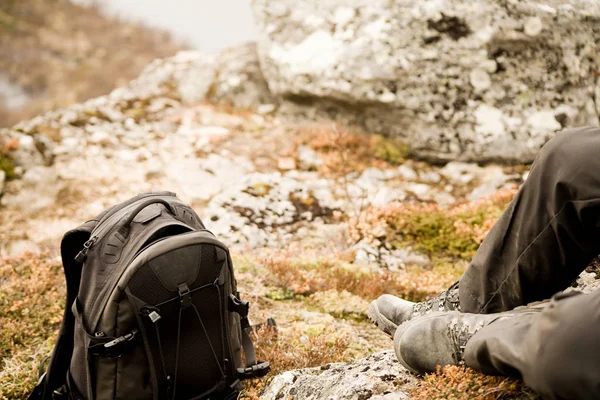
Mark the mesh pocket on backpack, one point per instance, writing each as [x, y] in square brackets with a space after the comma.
[188, 342]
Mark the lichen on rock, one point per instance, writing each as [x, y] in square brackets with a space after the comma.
[378, 376]
[460, 80]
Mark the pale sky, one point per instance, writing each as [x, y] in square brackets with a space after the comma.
[207, 25]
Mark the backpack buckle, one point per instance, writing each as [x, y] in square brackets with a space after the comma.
[239, 306]
[60, 393]
[119, 346]
[257, 370]
[185, 297]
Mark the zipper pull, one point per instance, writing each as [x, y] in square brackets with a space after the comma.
[151, 312]
[82, 255]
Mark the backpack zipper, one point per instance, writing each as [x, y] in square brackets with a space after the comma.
[82, 255]
[101, 229]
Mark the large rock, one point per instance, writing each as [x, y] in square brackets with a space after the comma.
[233, 78]
[239, 81]
[264, 209]
[376, 377]
[460, 80]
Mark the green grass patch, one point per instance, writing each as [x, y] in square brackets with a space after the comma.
[391, 150]
[446, 234]
[8, 166]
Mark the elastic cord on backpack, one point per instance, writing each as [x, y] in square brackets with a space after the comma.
[162, 354]
[184, 303]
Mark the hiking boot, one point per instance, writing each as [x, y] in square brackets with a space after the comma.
[387, 312]
[440, 338]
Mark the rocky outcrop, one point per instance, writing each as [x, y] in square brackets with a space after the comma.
[232, 78]
[376, 377]
[459, 80]
[256, 187]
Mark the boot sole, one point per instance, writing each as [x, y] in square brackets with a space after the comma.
[380, 321]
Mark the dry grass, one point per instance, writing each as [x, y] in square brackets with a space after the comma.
[344, 151]
[301, 351]
[305, 277]
[31, 305]
[460, 383]
[62, 53]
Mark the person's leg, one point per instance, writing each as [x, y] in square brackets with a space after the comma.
[557, 351]
[548, 234]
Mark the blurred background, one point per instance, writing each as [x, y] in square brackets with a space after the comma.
[204, 25]
[58, 52]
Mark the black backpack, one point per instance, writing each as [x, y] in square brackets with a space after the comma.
[152, 312]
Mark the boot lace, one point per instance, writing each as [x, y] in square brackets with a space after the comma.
[445, 301]
[459, 333]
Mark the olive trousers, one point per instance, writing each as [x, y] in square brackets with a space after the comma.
[546, 237]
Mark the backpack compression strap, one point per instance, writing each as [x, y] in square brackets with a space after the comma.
[253, 369]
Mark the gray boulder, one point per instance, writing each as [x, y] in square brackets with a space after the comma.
[239, 81]
[376, 377]
[233, 77]
[460, 80]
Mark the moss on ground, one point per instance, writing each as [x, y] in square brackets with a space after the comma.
[306, 277]
[344, 151]
[391, 150]
[8, 166]
[443, 234]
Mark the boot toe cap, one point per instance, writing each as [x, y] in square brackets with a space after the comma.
[422, 344]
[387, 312]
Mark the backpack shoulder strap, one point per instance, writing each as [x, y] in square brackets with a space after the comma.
[55, 375]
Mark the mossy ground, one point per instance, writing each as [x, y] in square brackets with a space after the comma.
[6, 163]
[461, 383]
[8, 166]
[319, 300]
[344, 151]
[441, 233]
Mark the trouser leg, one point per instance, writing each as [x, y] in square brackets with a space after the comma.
[556, 351]
[547, 235]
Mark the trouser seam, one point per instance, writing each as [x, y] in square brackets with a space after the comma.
[514, 266]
